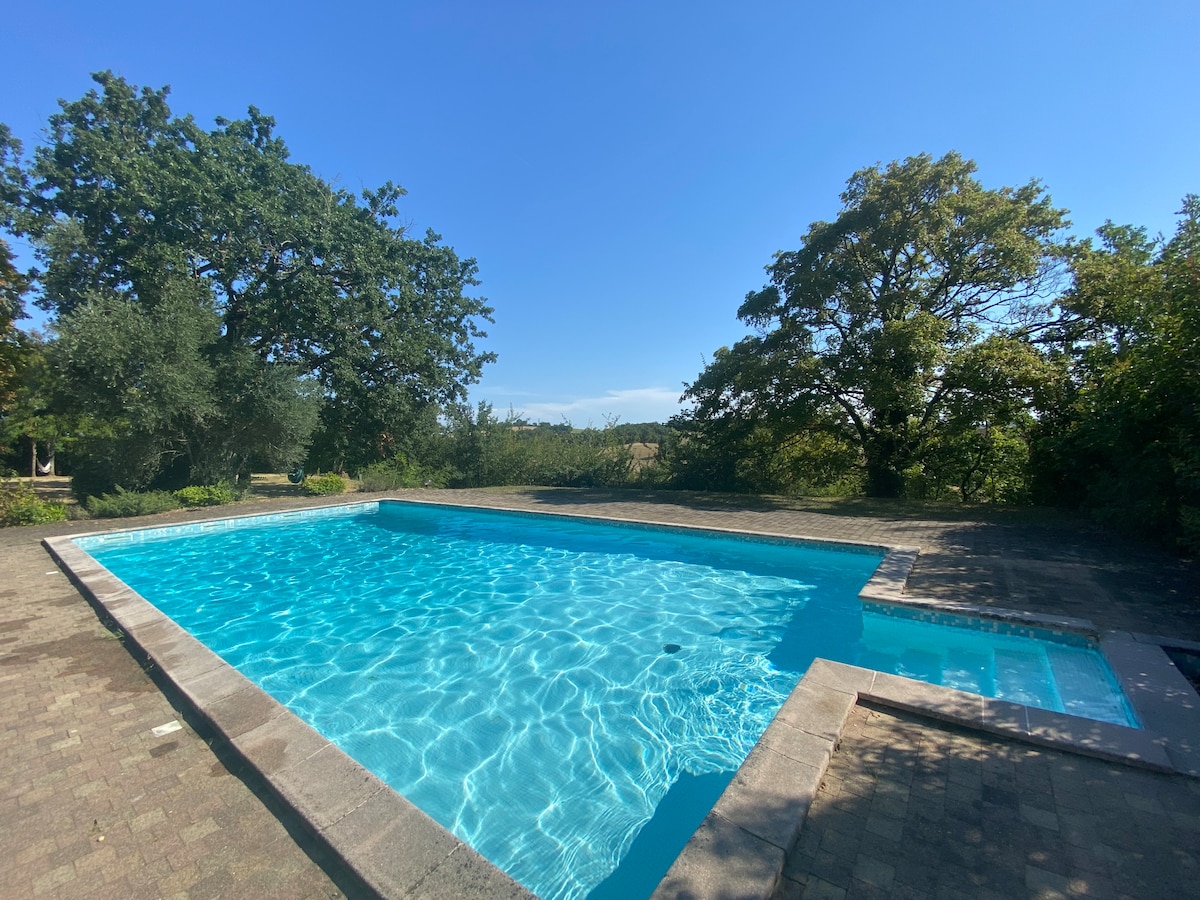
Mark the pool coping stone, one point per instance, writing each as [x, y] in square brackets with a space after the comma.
[740, 848]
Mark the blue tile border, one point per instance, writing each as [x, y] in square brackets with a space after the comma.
[232, 523]
[858, 547]
[988, 624]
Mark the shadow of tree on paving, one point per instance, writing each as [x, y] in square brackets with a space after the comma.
[889, 510]
[1116, 583]
[913, 807]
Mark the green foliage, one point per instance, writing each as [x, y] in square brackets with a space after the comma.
[905, 318]
[220, 303]
[324, 485]
[13, 285]
[140, 380]
[207, 495]
[640, 432]
[399, 472]
[263, 412]
[484, 450]
[1189, 529]
[727, 457]
[12, 342]
[986, 464]
[122, 503]
[20, 505]
[1122, 437]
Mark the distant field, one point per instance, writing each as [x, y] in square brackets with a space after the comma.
[643, 454]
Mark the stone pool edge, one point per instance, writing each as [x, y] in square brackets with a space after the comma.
[740, 847]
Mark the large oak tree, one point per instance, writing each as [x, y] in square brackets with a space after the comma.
[896, 327]
[166, 247]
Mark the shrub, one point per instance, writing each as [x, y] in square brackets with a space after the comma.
[391, 474]
[324, 485]
[206, 495]
[20, 505]
[124, 503]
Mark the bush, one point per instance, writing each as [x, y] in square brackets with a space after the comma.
[484, 451]
[124, 503]
[391, 474]
[325, 485]
[19, 505]
[206, 495]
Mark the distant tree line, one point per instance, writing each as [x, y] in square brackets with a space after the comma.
[473, 447]
[218, 309]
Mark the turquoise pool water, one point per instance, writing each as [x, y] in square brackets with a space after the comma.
[568, 697]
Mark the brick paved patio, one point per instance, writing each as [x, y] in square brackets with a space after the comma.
[910, 807]
[93, 804]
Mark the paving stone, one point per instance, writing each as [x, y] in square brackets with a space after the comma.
[820, 889]
[1035, 851]
[1046, 884]
[892, 829]
[1040, 817]
[69, 683]
[874, 872]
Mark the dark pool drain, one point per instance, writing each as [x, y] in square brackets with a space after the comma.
[671, 648]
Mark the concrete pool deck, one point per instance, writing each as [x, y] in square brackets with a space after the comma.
[46, 805]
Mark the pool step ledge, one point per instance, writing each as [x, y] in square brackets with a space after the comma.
[740, 848]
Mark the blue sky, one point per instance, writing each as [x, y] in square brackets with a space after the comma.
[623, 171]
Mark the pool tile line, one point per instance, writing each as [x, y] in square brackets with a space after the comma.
[842, 544]
[243, 520]
[886, 592]
[386, 841]
[1161, 697]
[990, 618]
[885, 589]
[1165, 641]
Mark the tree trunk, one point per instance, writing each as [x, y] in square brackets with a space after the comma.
[884, 480]
[886, 459]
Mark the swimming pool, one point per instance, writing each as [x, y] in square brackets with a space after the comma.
[541, 686]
